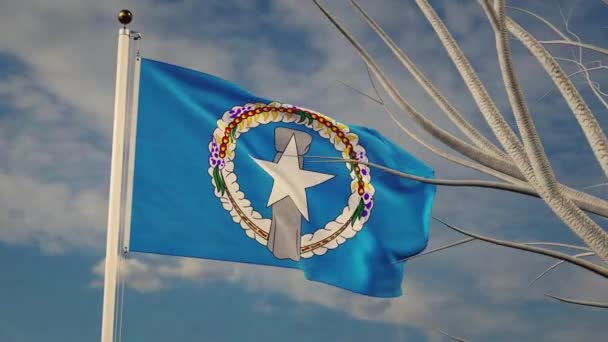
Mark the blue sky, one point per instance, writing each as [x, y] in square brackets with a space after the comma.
[57, 63]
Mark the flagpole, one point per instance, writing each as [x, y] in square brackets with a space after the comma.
[116, 171]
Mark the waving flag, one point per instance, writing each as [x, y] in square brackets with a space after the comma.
[223, 174]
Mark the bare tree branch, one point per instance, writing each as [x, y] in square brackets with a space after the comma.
[457, 160]
[524, 167]
[451, 112]
[486, 105]
[445, 137]
[584, 227]
[446, 182]
[587, 201]
[558, 244]
[546, 184]
[602, 271]
[463, 241]
[470, 73]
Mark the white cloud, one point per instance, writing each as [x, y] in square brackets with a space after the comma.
[139, 275]
[50, 214]
[44, 196]
[53, 176]
[486, 298]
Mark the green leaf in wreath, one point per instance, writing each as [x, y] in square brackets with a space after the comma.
[302, 117]
[217, 179]
[357, 214]
[351, 167]
[309, 117]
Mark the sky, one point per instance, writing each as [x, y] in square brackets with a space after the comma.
[57, 69]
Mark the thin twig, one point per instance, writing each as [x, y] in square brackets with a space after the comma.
[449, 245]
[469, 239]
[586, 68]
[565, 39]
[556, 265]
[566, 20]
[361, 92]
[458, 339]
[577, 44]
[548, 23]
[595, 186]
[579, 302]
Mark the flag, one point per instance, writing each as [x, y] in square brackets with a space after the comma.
[222, 174]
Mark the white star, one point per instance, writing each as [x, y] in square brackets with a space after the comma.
[290, 180]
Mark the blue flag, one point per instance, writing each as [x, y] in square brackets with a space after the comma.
[223, 174]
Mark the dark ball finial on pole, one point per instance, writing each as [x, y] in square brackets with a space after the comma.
[125, 16]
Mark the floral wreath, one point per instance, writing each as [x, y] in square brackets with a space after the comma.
[241, 119]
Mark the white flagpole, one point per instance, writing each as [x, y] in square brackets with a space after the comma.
[114, 202]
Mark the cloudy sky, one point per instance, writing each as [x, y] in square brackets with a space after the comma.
[57, 64]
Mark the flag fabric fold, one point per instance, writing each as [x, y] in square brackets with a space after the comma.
[223, 174]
